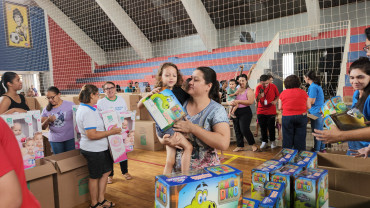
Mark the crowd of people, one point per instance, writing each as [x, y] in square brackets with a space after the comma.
[203, 131]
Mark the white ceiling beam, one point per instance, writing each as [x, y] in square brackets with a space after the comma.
[132, 33]
[313, 14]
[79, 36]
[202, 23]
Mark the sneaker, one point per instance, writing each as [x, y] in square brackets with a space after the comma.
[323, 151]
[273, 145]
[263, 145]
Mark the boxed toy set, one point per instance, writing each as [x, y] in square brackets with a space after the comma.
[286, 155]
[164, 108]
[260, 176]
[306, 159]
[250, 203]
[287, 175]
[28, 132]
[311, 188]
[127, 119]
[275, 195]
[116, 146]
[217, 186]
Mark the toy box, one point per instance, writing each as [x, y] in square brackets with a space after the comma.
[127, 120]
[275, 198]
[260, 176]
[311, 188]
[250, 203]
[287, 175]
[164, 108]
[306, 159]
[75, 128]
[217, 186]
[338, 104]
[328, 108]
[116, 146]
[286, 155]
[28, 132]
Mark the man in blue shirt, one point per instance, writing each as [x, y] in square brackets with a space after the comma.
[130, 88]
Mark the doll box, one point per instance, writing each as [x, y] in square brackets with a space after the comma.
[217, 186]
[250, 203]
[127, 119]
[260, 176]
[286, 175]
[306, 159]
[286, 155]
[164, 108]
[116, 146]
[275, 198]
[311, 188]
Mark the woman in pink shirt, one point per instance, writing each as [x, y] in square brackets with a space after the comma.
[244, 98]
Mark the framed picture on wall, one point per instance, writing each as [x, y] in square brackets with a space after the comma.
[17, 24]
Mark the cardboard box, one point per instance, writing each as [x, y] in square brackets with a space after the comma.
[275, 198]
[306, 159]
[250, 203]
[260, 176]
[311, 188]
[131, 100]
[40, 182]
[286, 155]
[145, 115]
[41, 101]
[287, 175]
[146, 136]
[217, 186]
[71, 180]
[31, 103]
[344, 200]
[28, 132]
[347, 174]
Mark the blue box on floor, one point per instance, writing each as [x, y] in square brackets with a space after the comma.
[260, 176]
[306, 159]
[311, 188]
[287, 175]
[286, 155]
[250, 203]
[275, 198]
[217, 186]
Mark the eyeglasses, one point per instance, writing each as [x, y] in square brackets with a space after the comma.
[367, 48]
[52, 97]
[111, 88]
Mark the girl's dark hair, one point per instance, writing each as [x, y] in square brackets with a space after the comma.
[160, 72]
[86, 91]
[7, 77]
[292, 81]
[17, 12]
[245, 77]
[313, 77]
[54, 90]
[210, 76]
[363, 64]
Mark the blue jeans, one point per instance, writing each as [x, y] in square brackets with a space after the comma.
[59, 147]
[319, 125]
[294, 132]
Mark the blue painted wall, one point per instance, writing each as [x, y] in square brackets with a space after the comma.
[25, 59]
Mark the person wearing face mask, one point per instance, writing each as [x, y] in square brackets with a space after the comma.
[11, 102]
[58, 116]
[267, 96]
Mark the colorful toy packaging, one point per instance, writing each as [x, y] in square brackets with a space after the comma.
[275, 198]
[28, 132]
[260, 176]
[127, 120]
[286, 155]
[164, 108]
[287, 175]
[116, 145]
[250, 203]
[75, 128]
[217, 186]
[311, 189]
[338, 104]
[306, 159]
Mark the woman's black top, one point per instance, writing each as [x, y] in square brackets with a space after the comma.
[21, 105]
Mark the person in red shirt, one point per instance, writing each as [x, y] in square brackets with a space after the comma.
[293, 102]
[13, 187]
[267, 95]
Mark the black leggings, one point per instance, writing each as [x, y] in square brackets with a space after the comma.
[242, 124]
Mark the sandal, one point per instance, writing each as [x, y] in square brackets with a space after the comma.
[110, 180]
[96, 205]
[110, 204]
[237, 149]
[127, 176]
[256, 148]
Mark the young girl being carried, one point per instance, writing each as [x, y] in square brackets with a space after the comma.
[169, 76]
